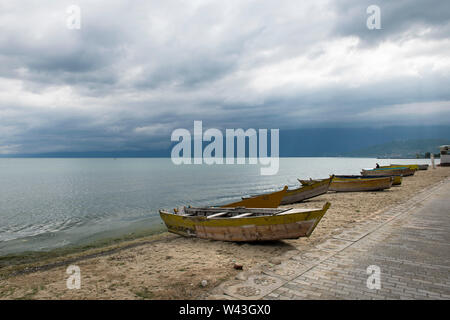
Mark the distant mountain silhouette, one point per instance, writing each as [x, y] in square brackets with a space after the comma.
[354, 141]
[401, 148]
[316, 142]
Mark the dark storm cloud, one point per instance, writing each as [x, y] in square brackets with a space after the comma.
[137, 70]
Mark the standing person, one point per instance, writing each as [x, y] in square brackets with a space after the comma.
[378, 165]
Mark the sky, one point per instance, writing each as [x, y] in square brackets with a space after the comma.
[136, 70]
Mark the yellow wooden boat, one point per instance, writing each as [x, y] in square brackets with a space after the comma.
[410, 166]
[268, 200]
[308, 191]
[243, 224]
[394, 171]
[397, 179]
[360, 184]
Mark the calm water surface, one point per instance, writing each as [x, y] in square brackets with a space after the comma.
[49, 203]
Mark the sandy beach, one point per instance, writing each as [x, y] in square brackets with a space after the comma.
[167, 266]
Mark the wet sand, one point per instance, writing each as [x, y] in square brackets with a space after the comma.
[168, 266]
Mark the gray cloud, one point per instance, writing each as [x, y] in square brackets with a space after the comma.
[136, 70]
[401, 20]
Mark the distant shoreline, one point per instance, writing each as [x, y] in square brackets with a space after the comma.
[147, 157]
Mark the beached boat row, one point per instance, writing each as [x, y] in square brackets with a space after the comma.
[259, 218]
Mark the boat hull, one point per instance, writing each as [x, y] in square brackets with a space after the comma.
[409, 166]
[396, 182]
[356, 185]
[388, 172]
[259, 228]
[306, 192]
[414, 166]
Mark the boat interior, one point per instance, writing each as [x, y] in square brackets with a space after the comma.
[237, 212]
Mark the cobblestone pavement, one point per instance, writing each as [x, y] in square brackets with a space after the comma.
[409, 243]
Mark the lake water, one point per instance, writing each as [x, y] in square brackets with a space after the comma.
[50, 203]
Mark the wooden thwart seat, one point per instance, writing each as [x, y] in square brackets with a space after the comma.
[219, 214]
[243, 215]
[289, 211]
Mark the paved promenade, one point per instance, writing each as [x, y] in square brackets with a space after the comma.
[410, 244]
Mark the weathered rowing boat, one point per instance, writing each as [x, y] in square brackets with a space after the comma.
[397, 178]
[360, 184]
[413, 166]
[268, 200]
[410, 166]
[314, 189]
[308, 182]
[404, 171]
[243, 224]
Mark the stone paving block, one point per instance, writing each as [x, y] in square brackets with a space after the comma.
[313, 256]
[288, 269]
[410, 243]
[255, 287]
[334, 245]
[353, 234]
